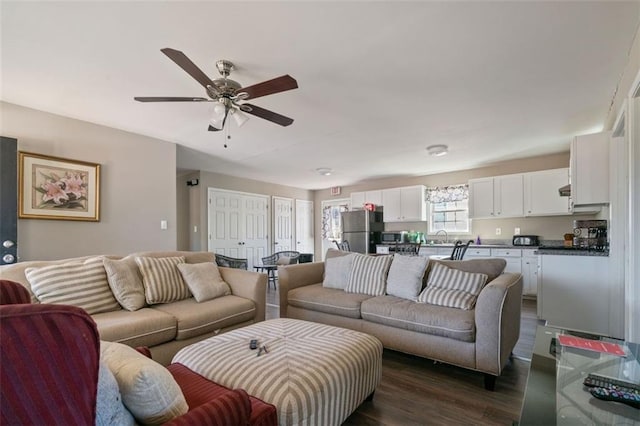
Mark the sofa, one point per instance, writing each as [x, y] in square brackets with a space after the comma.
[409, 310]
[163, 312]
[55, 370]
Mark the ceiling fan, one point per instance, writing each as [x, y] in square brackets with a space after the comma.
[227, 94]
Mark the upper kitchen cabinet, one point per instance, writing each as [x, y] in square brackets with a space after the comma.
[590, 169]
[406, 204]
[500, 196]
[358, 199]
[541, 196]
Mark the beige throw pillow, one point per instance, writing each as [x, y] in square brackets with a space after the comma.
[452, 287]
[82, 284]
[148, 390]
[125, 283]
[162, 280]
[204, 280]
[368, 274]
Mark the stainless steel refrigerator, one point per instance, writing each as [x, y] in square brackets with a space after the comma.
[362, 229]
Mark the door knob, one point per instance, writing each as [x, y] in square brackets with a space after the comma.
[8, 244]
[8, 258]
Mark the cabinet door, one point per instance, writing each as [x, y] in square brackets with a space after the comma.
[374, 197]
[541, 192]
[508, 196]
[530, 275]
[412, 204]
[391, 205]
[590, 169]
[481, 198]
[357, 200]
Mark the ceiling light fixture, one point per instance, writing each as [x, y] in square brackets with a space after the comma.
[438, 150]
[324, 171]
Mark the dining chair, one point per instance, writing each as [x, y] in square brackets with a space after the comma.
[407, 249]
[270, 263]
[459, 249]
[343, 246]
[231, 262]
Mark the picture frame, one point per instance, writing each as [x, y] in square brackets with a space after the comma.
[57, 188]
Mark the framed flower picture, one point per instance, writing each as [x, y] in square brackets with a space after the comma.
[58, 188]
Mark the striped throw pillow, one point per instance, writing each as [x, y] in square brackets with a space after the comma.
[162, 280]
[368, 274]
[81, 284]
[452, 287]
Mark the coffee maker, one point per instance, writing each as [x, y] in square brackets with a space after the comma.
[590, 235]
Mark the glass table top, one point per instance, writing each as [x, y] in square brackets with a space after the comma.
[555, 394]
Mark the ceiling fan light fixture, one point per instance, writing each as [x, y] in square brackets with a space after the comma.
[438, 150]
[218, 116]
[239, 117]
[324, 171]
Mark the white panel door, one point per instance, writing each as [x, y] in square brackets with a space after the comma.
[304, 226]
[238, 225]
[282, 224]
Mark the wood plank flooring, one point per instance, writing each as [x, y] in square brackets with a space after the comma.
[418, 391]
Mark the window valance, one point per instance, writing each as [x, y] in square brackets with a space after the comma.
[443, 194]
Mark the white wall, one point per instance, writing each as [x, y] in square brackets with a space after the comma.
[137, 185]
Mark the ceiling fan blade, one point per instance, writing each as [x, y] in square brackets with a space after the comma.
[213, 129]
[168, 99]
[269, 87]
[268, 115]
[185, 63]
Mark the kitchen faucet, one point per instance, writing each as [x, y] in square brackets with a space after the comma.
[446, 236]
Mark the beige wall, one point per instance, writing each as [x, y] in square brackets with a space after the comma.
[549, 228]
[137, 187]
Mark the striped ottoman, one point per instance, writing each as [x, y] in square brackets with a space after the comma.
[314, 374]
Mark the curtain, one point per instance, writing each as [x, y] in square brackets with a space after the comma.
[443, 194]
[331, 221]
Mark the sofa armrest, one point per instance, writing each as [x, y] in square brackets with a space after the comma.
[250, 285]
[297, 275]
[231, 408]
[497, 316]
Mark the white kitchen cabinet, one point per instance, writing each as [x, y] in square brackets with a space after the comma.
[406, 204]
[513, 258]
[358, 199]
[499, 196]
[434, 251]
[590, 169]
[541, 196]
[475, 252]
[529, 273]
[574, 293]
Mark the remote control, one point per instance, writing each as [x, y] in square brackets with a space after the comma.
[612, 394]
[598, 381]
[253, 344]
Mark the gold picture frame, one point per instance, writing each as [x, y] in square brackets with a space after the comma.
[57, 188]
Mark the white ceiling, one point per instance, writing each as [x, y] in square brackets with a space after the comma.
[379, 81]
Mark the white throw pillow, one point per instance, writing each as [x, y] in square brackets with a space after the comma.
[406, 276]
[369, 274]
[125, 283]
[82, 284]
[452, 287]
[148, 390]
[162, 280]
[204, 280]
[109, 407]
[337, 271]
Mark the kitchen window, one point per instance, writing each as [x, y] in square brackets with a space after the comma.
[449, 209]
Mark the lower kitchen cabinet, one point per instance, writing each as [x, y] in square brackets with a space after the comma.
[574, 293]
[529, 273]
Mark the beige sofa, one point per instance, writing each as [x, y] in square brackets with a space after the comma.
[168, 327]
[480, 339]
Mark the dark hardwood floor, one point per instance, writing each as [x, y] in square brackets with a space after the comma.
[418, 391]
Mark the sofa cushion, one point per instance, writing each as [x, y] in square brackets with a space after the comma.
[109, 407]
[406, 276]
[125, 283]
[369, 274]
[452, 287]
[329, 300]
[196, 318]
[144, 327]
[204, 280]
[337, 271]
[148, 390]
[393, 311]
[493, 267]
[162, 280]
[83, 284]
